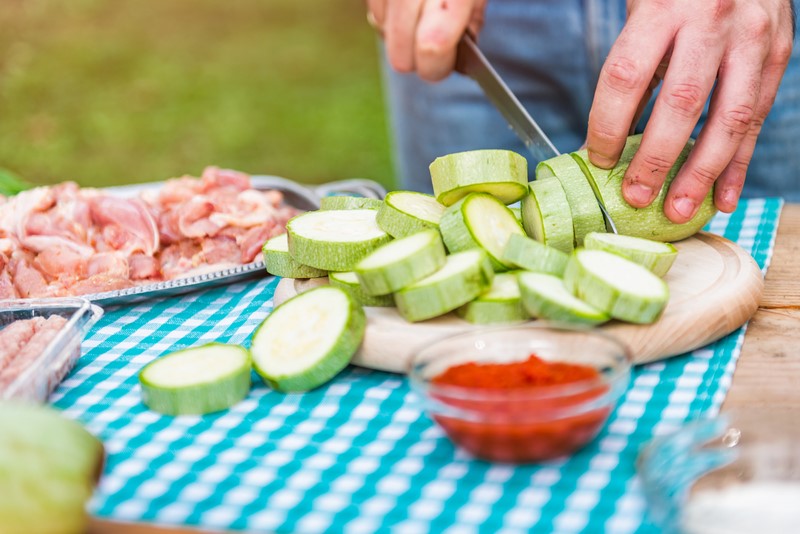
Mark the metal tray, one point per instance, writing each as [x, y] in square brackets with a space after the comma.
[303, 197]
[41, 377]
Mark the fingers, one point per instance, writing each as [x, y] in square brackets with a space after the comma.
[400, 27]
[623, 83]
[376, 13]
[441, 26]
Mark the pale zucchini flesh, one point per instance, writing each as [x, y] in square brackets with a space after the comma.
[501, 173]
[406, 212]
[545, 296]
[531, 255]
[546, 214]
[623, 289]
[197, 381]
[308, 339]
[346, 202]
[464, 276]
[480, 221]
[334, 240]
[401, 262]
[501, 303]
[349, 282]
[656, 256]
[279, 262]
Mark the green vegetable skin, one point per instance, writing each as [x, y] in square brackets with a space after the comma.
[49, 466]
[649, 222]
[502, 173]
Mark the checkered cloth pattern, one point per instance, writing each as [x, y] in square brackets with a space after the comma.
[359, 454]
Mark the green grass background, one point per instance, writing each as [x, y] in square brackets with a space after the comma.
[118, 91]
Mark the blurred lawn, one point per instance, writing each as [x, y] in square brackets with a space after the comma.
[118, 91]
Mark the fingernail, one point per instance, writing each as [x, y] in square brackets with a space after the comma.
[730, 197]
[604, 162]
[639, 193]
[685, 207]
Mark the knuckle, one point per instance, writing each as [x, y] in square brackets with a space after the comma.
[622, 74]
[782, 51]
[759, 24]
[736, 120]
[703, 175]
[656, 164]
[721, 8]
[686, 99]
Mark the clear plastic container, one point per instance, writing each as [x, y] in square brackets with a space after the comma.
[57, 359]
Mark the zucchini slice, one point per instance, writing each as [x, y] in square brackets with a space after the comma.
[526, 253]
[198, 380]
[656, 256]
[545, 296]
[586, 214]
[546, 215]
[406, 212]
[334, 240]
[464, 276]
[480, 221]
[308, 339]
[400, 263]
[501, 173]
[347, 202]
[500, 304]
[349, 282]
[623, 289]
[279, 262]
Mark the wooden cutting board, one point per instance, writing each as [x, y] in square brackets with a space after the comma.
[715, 287]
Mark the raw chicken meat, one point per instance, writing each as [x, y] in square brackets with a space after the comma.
[22, 342]
[66, 240]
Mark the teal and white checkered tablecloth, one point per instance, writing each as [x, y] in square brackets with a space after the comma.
[359, 455]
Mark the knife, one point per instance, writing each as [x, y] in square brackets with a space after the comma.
[471, 62]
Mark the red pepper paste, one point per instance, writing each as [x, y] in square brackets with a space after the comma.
[534, 421]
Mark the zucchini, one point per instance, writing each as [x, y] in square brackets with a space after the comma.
[500, 304]
[279, 262]
[546, 214]
[545, 296]
[349, 282]
[480, 221]
[198, 380]
[347, 202]
[334, 240]
[656, 256]
[308, 339]
[623, 289]
[406, 212]
[586, 214]
[526, 253]
[464, 276]
[501, 173]
[649, 222]
[400, 263]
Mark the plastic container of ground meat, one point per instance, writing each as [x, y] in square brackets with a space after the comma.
[32, 369]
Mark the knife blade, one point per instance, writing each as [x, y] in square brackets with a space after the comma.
[471, 62]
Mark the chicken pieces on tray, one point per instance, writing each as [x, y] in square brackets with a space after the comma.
[65, 240]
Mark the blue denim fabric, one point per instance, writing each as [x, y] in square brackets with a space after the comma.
[550, 53]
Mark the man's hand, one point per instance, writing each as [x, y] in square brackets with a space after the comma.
[741, 45]
[422, 35]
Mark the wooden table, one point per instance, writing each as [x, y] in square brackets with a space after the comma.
[768, 372]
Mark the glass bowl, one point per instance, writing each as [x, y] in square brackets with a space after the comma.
[738, 473]
[522, 425]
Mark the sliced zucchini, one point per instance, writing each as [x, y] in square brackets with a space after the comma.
[656, 256]
[406, 212]
[198, 380]
[546, 214]
[279, 262]
[349, 282]
[649, 222]
[526, 253]
[464, 276]
[501, 173]
[334, 240]
[623, 289]
[480, 221]
[500, 304]
[308, 339]
[545, 296]
[517, 213]
[586, 214]
[346, 202]
[400, 263]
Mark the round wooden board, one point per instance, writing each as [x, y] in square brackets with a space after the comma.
[715, 287]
